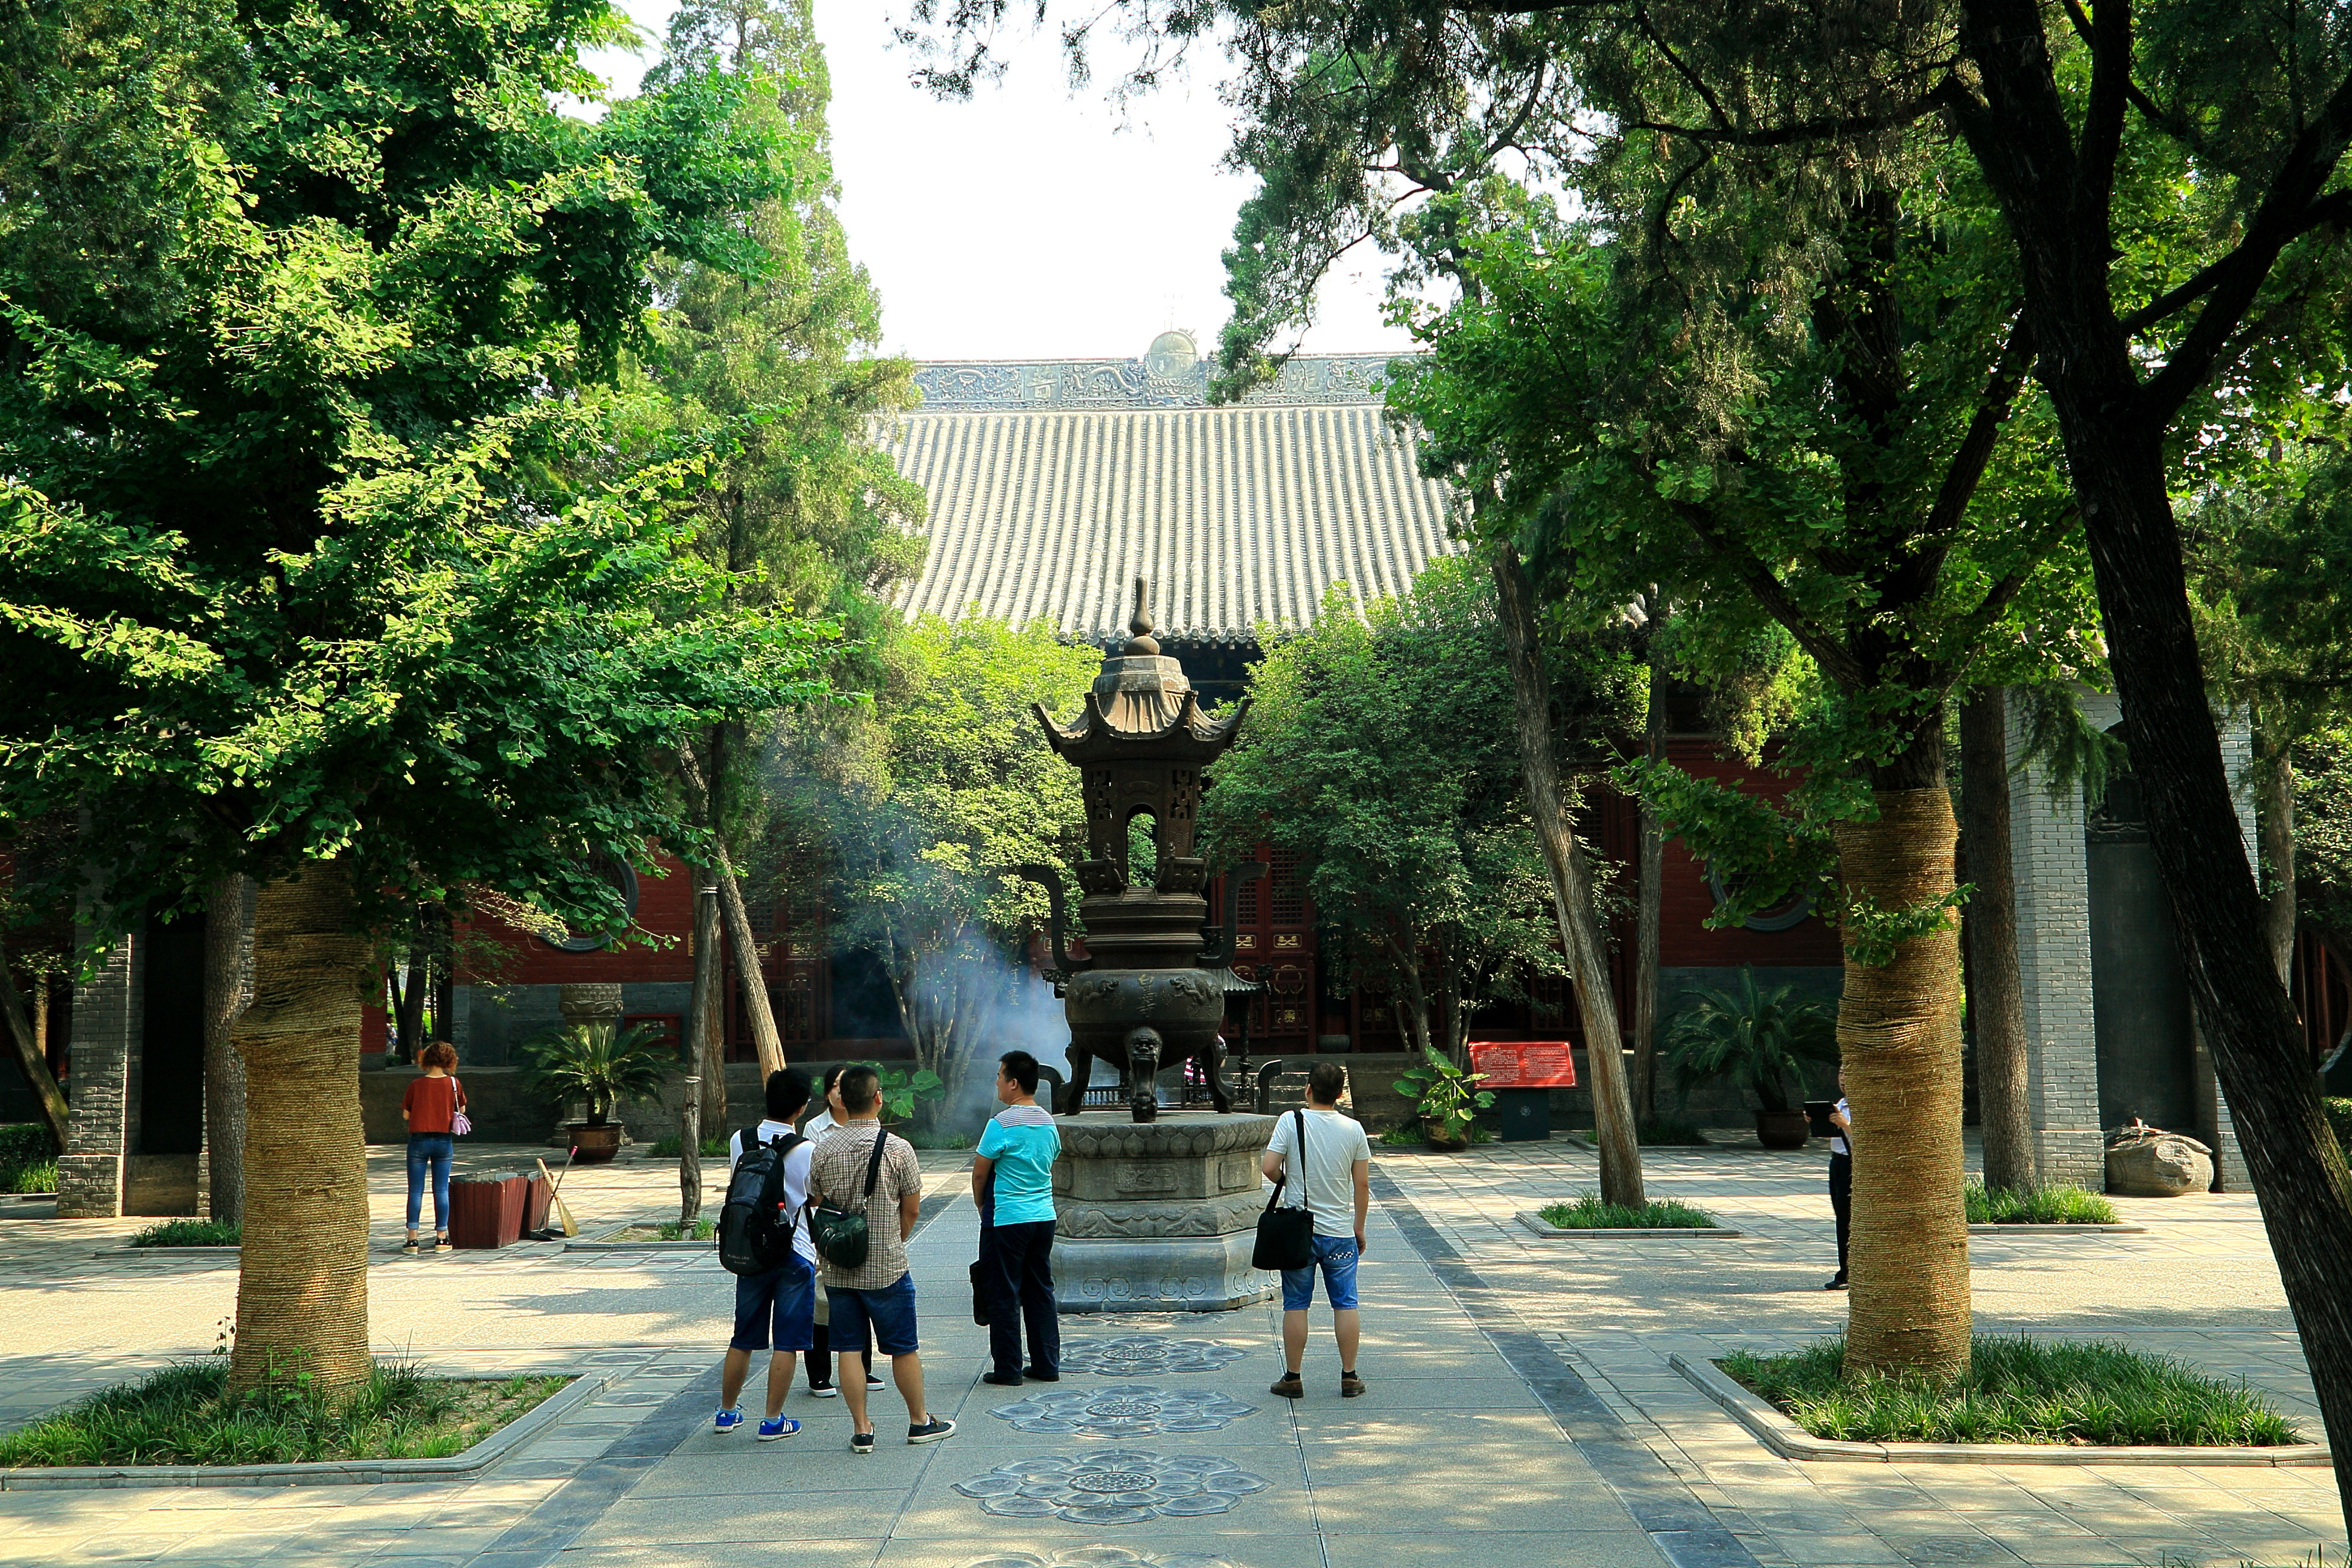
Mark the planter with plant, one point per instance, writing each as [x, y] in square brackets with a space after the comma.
[601, 1065]
[1447, 1099]
[1761, 1039]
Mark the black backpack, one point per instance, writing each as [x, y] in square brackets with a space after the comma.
[755, 1227]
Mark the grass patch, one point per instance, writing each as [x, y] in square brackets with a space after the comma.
[1669, 1133]
[182, 1416]
[2018, 1390]
[673, 1147]
[190, 1233]
[1587, 1212]
[1405, 1137]
[2043, 1206]
[25, 1163]
[672, 1231]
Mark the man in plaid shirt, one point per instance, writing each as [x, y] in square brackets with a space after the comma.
[878, 1291]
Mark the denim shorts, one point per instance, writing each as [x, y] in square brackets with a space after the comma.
[1336, 1256]
[890, 1310]
[778, 1306]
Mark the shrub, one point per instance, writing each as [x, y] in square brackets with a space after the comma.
[1760, 1039]
[190, 1233]
[704, 1229]
[2017, 1390]
[2042, 1205]
[1587, 1212]
[673, 1147]
[40, 1178]
[1669, 1132]
[2339, 1117]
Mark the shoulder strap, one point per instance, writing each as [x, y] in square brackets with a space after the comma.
[874, 1165]
[750, 1137]
[1303, 1201]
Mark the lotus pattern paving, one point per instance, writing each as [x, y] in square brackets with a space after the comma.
[1145, 1356]
[1117, 1486]
[1129, 1410]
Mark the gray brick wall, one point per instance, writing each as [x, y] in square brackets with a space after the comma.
[105, 1025]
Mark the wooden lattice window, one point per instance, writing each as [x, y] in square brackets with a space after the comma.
[1287, 892]
[1246, 906]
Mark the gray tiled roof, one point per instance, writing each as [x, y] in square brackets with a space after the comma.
[1051, 486]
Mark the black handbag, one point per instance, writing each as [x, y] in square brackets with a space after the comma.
[1286, 1237]
[840, 1234]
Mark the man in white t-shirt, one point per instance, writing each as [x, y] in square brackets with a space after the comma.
[1337, 1167]
[775, 1311]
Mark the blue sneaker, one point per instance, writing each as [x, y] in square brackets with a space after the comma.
[781, 1426]
[727, 1420]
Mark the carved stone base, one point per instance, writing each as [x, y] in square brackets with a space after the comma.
[1160, 1217]
[1171, 1274]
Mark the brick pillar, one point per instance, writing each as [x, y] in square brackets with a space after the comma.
[103, 1088]
[2053, 956]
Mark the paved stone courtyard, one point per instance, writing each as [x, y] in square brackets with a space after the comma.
[1521, 1407]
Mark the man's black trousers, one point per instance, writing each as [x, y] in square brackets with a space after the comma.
[1842, 1202]
[1016, 1278]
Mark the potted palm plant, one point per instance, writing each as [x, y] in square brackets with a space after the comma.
[1447, 1099]
[601, 1064]
[1761, 1038]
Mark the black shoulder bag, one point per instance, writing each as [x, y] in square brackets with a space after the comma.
[1286, 1237]
[840, 1234]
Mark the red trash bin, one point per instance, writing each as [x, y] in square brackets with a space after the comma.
[485, 1213]
[539, 1194]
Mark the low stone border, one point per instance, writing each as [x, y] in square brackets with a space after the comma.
[1790, 1441]
[605, 1243]
[584, 1387]
[1542, 1227]
[2028, 1227]
[215, 1253]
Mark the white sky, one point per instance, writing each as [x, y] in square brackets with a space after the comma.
[1027, 223]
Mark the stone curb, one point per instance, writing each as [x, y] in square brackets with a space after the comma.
[584, 1387]
[2028, 1227]
[605, 1243]
[214, 1252]
[1542, 1227]
[1789, 1440]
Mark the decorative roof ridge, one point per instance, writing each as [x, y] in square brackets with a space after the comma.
[955, 386]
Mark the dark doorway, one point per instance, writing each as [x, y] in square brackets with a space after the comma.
[172, 1056]
[2139, 999]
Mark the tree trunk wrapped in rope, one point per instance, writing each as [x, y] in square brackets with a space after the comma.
[301, 1290]
[1899, 1040]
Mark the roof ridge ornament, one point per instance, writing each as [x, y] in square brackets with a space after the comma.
[1139, 641]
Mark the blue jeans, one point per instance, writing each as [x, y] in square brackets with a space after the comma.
[1337, 1257]
[429, 1151]
[890, 1310]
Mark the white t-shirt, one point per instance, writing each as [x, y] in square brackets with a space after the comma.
[1837, 1138]
[796, 1181]
[1334, 1144]
[820, 1127]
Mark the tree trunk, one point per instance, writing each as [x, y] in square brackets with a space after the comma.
[689, 1157]
[2298, 1171]
[1572, 887]
[1650, 893]
[1996, 991]
[1898, 1033]
[2274, 828]
[707, 1012]
[301, 1288]
[764, 1038]
[229, 989]
[32, 1055]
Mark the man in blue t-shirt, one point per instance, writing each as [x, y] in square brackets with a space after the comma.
[1012, 1182]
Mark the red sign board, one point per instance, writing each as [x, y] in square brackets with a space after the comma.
[1524, 1064]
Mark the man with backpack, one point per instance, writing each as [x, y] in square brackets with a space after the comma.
[763, 1241]
[870, 1188]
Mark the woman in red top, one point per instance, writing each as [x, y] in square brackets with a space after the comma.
[431, 1106]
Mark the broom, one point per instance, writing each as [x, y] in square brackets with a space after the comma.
[563, 1221]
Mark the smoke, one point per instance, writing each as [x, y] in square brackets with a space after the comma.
[1020, 1014]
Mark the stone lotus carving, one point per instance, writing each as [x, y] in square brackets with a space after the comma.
[1116, 1486]
[1129, 1410]
[1148, 1355]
